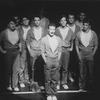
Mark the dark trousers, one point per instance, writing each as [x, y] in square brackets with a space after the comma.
[33, 56]
[64, 63]
[51, 72]
[10, 58]
[86, 72]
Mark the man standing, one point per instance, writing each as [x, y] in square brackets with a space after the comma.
[51, 53]
[24, 76]
[35, 34]
[67, 36]
[73, 65]
[12, 48]
[86, 46]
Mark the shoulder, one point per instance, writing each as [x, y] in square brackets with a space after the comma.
[94, 33]
[78, 34]
[44, 38]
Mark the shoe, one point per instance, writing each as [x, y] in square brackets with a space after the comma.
[65, 86]
[16, 89]
[82, 90]
[71, 79]
[22, 85]
[54, 98]
[42, 87]
[58, 87]
[49, 98]
[9, 88]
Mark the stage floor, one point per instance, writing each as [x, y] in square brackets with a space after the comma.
[71, 94]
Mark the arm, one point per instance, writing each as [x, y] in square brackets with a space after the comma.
[2, 35]
[71, 48]
[77, 48]
[95, 44]
[28, 40]
[72, 39]
[43, 51]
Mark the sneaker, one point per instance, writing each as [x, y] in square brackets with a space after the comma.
[49, 98]
[71, 79]
[42, 87]
[9, 88]
[16, 89]
[82, 90]
[22, 85]
[65, 86]
[58, 87]
[54, 98]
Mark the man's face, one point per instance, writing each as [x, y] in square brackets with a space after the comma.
[82, 16]
[12, 25]
[37, 21]
[51, 30]
[71, 19]
[25, 21]
[63, 21]
[85, 26]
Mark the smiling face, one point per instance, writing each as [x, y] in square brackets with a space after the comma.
[12, 25]
[25, 21]
[37, 21]
[71, 19]
[63, 21]
[86, 26]
[51, 30]
[82, 16]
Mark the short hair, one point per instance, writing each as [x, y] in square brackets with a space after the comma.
[86, 21]
[63, 16]
[38, 16]
[12, 20]
[51, 24]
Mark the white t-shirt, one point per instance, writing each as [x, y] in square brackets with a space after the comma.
[25, 32]
[64, 32]
[13, 36]
[85, 38]
[38, 33]
[53, 42]
[72, 27]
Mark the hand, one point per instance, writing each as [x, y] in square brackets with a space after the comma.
[3, 51]
[45, 61]
[79, 57]
[70, 49]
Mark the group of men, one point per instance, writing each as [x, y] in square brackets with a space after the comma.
[54, 44]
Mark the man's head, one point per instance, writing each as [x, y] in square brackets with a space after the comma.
[63, 21]
[86, 25]
[25, 21]
[71, 18]
[51, 29]
[82, 16]
[37, 20]
[12, 24]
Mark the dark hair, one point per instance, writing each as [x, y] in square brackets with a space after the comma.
[51, 24]
[63, 16]
[86, 21]
[36, 15]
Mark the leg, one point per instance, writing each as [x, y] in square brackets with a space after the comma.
[83, 74]
[8, 59]
[65, 62]
[16, 69]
